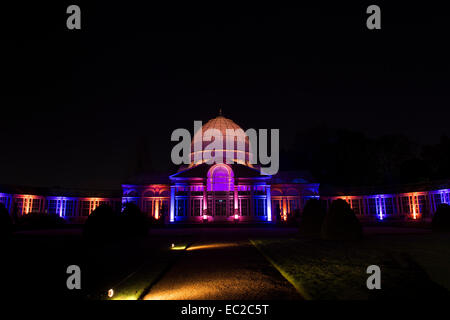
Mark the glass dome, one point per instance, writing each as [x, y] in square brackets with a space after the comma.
[240, 145]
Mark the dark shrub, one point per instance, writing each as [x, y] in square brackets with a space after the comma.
[441, 218]
[40, 221]
[103, 223]
[134, 221]
[296, 213]
[312, 218]
[5, 222]
[293, 218]
[291, 221]
[152, 222]
[341, 223]
[278, 214]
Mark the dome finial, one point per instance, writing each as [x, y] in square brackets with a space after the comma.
[220, 110]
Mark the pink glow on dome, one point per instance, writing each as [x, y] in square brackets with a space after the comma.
[221, 124]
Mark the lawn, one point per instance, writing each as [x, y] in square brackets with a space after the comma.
[37, 262]
[412, 265]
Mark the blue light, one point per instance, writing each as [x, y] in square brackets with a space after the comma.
[172, 203]
[269, 205]
[379, 203]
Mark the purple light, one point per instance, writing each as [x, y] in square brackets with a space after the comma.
[220, 178]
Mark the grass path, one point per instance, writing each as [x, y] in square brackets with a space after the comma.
[331, 270]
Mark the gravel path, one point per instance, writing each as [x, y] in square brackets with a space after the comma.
[222, 270]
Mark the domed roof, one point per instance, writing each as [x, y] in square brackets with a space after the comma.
[222, 124]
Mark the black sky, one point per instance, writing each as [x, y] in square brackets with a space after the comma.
[75, 104]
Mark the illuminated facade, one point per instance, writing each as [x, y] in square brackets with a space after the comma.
[401, 203]
[73, 205]
[220, 193]
[205, 193]
[234, 193]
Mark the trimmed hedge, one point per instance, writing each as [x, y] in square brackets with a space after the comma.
[102, 223]
[5, 222]
[441, 219]
[40, 221]
[312, 217]
[341, 223]
[135, 223]
[106, 224]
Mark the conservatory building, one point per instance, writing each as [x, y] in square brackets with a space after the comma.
[238, 192]
[200, 192]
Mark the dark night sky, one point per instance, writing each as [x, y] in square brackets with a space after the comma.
[76, 103]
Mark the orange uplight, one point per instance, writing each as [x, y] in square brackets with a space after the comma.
[157, 210]
[94, 202]
[414, 207]
[27, 203]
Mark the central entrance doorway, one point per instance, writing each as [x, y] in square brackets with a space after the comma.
[220, 188]
[221, 204]
[220, 207]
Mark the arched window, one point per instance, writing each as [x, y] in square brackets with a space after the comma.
[132, 194]
[220, 178]
[164, 193]
[149, 193]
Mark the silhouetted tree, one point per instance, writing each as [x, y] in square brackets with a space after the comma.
[390, 153]
[102, 224]
[5, 222]
[278, 212]
[163, 213]
[312, 217]
[15, 213]
[341, 223]
[135, 223]
[437, 158]
[349, 158]
[441, 218]
[293, 218]
[334, 156]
